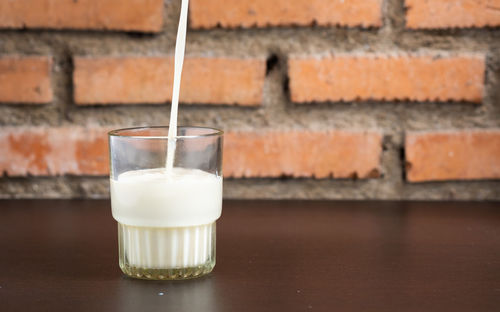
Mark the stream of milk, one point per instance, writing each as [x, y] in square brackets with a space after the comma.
[180, 47]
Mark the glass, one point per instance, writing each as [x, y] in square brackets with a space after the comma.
[166, 216]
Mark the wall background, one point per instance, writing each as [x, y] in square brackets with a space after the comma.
[393, 99]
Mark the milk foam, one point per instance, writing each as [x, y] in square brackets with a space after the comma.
[157, 198]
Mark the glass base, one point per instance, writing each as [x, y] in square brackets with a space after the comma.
[166, 253]
[167, 274]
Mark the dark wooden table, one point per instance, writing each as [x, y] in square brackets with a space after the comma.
[271, 256]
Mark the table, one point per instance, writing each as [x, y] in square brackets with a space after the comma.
[271, 256]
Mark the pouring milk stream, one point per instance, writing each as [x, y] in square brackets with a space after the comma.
[180, 47]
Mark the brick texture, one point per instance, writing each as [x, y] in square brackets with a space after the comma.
[281, 77]
[53, 151]
[262, 13]
[460, 155]
[149, 80]
[337, 154]
[25, 79]
[378, 77]
[130, 15]
[452, 13]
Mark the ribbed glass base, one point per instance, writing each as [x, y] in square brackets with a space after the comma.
[166, 253]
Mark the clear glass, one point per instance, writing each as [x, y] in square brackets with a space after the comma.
[166, 216]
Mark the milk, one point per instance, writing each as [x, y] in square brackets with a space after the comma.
[167, 218]
[157, 198]
[180, 47]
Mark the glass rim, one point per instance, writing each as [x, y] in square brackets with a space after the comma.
[118, 132]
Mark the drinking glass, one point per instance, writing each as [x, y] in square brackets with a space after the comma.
[166, 216]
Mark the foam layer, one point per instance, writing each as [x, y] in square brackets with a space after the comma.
[155, 198]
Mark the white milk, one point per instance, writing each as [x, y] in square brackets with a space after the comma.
[180, 47]
[156, 198]
[167, 248]
[167, 218]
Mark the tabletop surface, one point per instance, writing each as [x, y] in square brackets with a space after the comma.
[271, 256]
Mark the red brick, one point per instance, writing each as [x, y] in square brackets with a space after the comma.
[458, 155]
[75, 150]
[53, 151]
[262, 13]
[25, 79]
[452, 13]
[130, 15]
[149, 80]
[340, 154]
[370, 76]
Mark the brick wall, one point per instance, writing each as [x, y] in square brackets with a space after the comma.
[358, 99]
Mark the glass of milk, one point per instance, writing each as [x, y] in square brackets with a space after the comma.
[166, 214]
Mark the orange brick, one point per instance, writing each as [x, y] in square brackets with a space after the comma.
[460, 155]
[372, 76]
[452, 13]
[149, 80]
[131, 15]
[340, 154]
[262, 13]
[75, 150]
[25, 79]
[54, 151]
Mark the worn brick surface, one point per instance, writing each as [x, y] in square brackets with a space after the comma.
[53, 151]
[131, 15]
[76, 150]
[150, 79]
[262, 13]
[383, 77]
[452, 13]
[338, 154]
[25, 79]
[458, 155]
